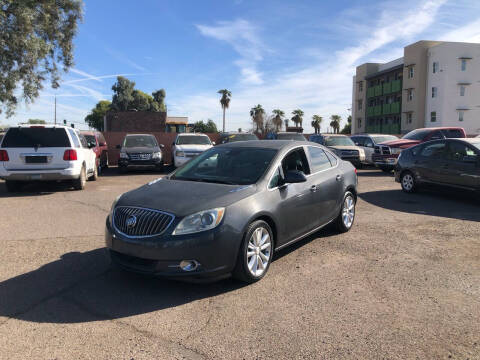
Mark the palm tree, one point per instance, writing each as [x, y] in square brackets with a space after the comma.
[256, 114]
[277, 120]
[297, 117]
[335, 123]
[316, 122]
[224, 102]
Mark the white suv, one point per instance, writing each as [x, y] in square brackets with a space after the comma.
[47, 152]
[187, 146]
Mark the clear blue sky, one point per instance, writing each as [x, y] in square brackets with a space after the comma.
[281, 54]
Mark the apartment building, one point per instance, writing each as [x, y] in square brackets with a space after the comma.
[434, 84]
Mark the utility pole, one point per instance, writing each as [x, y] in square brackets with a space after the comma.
[55, 109]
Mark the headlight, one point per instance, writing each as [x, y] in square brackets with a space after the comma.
[361, 152]
[157, 155]
[201, 221]
[110, 214]
[180, 153]
[123, 155]
[395, 150]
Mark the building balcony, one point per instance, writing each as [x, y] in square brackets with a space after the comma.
[386, 109]
[396, 85]
[387, 88]
[371, 92]
[378, 90]
[395, 108]
[377, 110]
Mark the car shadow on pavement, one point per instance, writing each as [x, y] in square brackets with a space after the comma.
[84, 287]
[113, 171]
[373, 172]
[448, 203]
[36, 189]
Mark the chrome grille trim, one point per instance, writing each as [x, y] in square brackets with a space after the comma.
[150, 222]
[140, 156]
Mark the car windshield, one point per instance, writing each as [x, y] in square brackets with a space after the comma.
[241, 137]
[291, 136]
[227, 165]
[476, 144]
[140, 141]
[90, 140]
[383, 138]
[193, 140]
[338, 141]
[417, 134]
[34, 137]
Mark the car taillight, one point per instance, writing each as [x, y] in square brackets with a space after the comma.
[4, 155]
[355, 169]
[70, 155]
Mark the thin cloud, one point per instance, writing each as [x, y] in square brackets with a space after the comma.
[85, 75]
[117, 55]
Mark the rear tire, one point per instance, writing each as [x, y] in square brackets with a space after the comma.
[346, 218]
[12, 186]
[159, 167]
[255, 254]
[408, 182]
[79, 184]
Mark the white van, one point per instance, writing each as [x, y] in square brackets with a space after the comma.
[45, 152]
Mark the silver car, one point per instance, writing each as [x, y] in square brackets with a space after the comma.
[368, 141]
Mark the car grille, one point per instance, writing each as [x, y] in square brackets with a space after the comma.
[349, 153]
[146, 222]
[382, 149]
[192, 153]
[140, 156]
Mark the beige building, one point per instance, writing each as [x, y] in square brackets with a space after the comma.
[434, 84]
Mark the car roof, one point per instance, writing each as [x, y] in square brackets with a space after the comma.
[441, 128]
[43, 126]
[140, 135]
[339, 135]
[268, 144]
[192, 134]
[469, 140]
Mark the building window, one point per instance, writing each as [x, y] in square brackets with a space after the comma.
[360, 86]
[434, 92]
[359, 105]
[464, 64]
[433, 116]
[460, 116]
[435, 67]
[411, 72]
[410, 95]
[409, 118]
[462, 90]
[359, 122]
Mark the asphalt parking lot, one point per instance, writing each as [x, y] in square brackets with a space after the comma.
[404, 283]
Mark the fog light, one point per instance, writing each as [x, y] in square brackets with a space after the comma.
[189, 265]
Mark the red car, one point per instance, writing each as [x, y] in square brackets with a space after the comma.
[385, 154]
[99, 146]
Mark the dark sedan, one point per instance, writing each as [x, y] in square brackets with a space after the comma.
[451, 162]
[227, 210]
[140, 150]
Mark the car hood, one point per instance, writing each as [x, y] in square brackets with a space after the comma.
[187, 147]
[140, 149]
[401, 143]
[345, 147]
[183, 198]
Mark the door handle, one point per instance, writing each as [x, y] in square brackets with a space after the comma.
[313, 188]
[339, 177]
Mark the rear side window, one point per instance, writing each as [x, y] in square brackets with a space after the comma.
[296, 160]
[318, 159]
[333, 159]
[358, 140]
[457, 151]
[83, 141]
[453, 133]
[74, 137]
[434, 151]
[35, 137]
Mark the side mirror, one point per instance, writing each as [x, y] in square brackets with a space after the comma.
[294, 176]
[162, 146]
[102, 144]
[118, 147]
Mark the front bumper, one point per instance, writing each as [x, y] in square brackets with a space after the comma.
[40, 175]
[215, 251]
[179, 161]
[128, 162]
[389, 160]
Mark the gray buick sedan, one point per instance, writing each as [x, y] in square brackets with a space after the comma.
[229, 209]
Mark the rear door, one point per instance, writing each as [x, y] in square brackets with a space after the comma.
[35, 148]
[430, 161]
[461, 166]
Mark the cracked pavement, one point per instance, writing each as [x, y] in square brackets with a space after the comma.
[404, 283]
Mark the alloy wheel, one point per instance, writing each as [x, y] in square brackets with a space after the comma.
[407, 182]
[348, 211]
[259, 251]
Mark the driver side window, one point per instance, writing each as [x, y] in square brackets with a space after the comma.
[296, 161]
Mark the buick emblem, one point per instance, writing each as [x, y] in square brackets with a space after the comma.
[131, 221]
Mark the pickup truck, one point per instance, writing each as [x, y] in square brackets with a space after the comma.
[385, 154]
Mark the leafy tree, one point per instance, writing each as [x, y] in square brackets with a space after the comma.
[208, 127]
[142, 102]
[159, 98]
[257, 114]
[335, 123]
[224, 102]
[278, 119]
[297, 117]
[122, 94]
[316, 122]
[36, 121]
[95, 118]
[35, 37]
[347, 129]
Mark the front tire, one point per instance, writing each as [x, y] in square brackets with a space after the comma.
[408, 182]
[346, 217]
[79, 184]
[255, 254]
